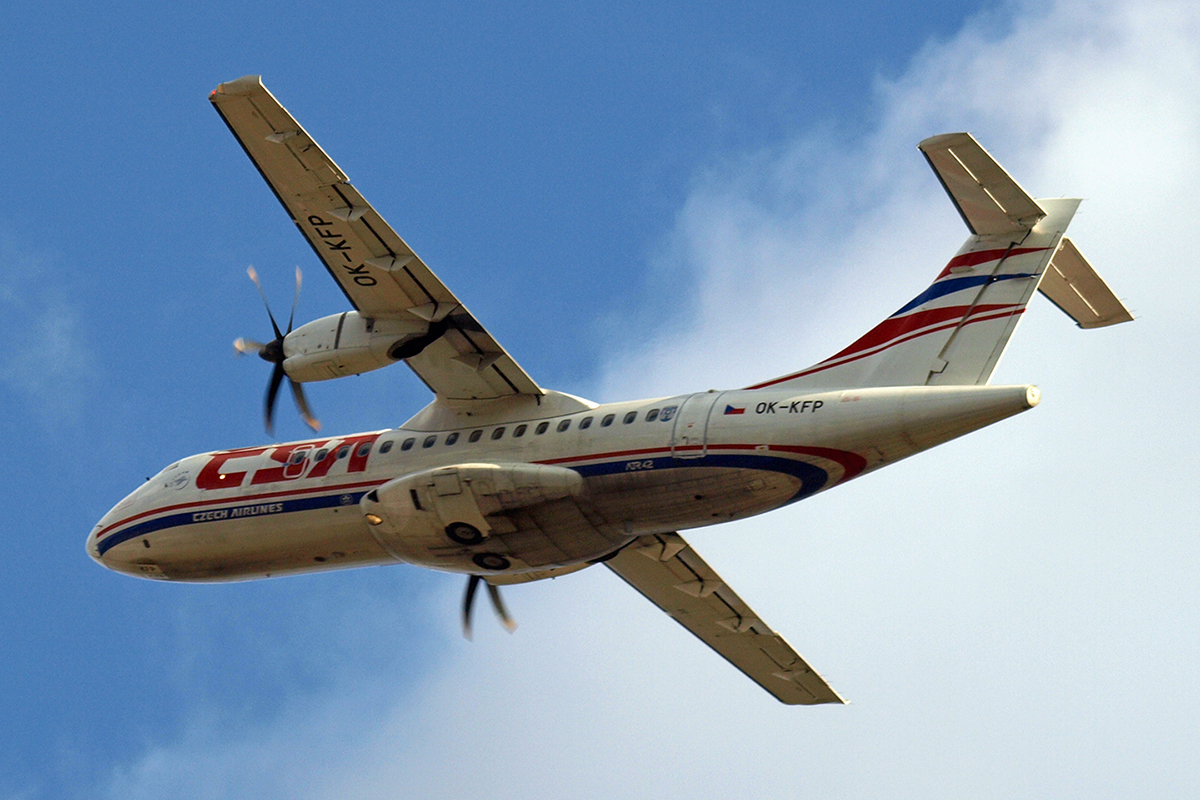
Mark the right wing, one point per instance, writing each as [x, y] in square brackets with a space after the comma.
[380, 274]
[669, 573]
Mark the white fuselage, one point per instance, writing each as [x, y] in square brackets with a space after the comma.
[549, 494]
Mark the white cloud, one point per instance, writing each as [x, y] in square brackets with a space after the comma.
[1011, 614]
[45, 358]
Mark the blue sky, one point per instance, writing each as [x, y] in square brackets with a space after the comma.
[629, 198]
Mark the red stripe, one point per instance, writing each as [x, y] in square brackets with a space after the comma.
[830, 362]
[893, 328]
[984, 256]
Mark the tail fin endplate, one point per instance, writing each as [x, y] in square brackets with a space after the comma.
[955, 331]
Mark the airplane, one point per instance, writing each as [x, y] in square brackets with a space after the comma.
[507, 482]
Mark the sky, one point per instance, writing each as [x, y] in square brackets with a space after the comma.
[634, 199]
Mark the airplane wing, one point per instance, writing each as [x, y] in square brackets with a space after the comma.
[669, 573]
[380, 274]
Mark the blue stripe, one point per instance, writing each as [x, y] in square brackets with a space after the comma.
[812, 479]
[188, 517]
[952, 285]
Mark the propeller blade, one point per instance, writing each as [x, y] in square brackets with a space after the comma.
[277, 376]
[508, 622]
[295, 301]
[302, 404]
[273, 352]
[254, 277]
[246, 346]
[468, 600]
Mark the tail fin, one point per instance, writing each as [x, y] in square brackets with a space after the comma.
[955, 331]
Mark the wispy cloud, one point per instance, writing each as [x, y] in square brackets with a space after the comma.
[45, 358]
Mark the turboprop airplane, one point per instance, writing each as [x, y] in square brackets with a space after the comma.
[504, 481]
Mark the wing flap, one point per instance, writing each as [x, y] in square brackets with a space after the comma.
[1071, 283]
[670, 574]
[989, 200]
[379, 273]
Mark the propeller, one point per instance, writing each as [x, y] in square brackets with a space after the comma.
[272, 352]
[509, 624]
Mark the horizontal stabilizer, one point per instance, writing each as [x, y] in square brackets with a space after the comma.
[989, 200]
[1073, 285]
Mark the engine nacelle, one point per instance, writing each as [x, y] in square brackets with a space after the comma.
[434, 517]
[348, 344]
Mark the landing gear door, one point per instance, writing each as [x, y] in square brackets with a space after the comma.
[689, 437]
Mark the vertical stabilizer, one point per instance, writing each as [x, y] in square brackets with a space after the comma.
[955, 331]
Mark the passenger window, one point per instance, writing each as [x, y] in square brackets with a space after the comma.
[320, 456]
[652, 415]
[343, 451]
[408, 443]
[383, 448]
[429, 440]
[585, 423]
[630, 417]
[496, 434]
[541, 428]
[608, 418]
[363, 449]
[562, 426]
[297, 457]
[474, 437]
[519, 431]
[451, 439]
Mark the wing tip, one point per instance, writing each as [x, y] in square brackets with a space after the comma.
[944, 139]
[243, 86]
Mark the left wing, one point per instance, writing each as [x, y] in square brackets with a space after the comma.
[669, 573]
[380, 274]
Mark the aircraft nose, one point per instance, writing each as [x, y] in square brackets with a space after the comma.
[91, 545]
